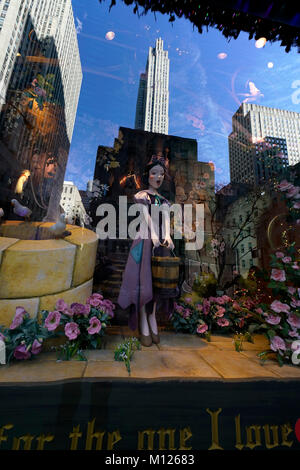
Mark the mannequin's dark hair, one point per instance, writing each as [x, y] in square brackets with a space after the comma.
[145, 175]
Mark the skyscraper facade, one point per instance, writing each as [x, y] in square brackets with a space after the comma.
[152, 108]
[40, 81]
[262, 143]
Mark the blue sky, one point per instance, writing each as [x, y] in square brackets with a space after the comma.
[205, 91]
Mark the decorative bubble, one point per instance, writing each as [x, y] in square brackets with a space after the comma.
[270, 65]
[222, 55]
[110, 35]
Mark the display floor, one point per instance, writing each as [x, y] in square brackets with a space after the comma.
[177, 356]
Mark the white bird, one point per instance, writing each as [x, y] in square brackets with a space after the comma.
[59, 229]
[21, 211]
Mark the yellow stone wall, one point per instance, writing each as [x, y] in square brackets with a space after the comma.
[36, 273]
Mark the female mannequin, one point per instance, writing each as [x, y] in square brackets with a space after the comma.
[136, 290]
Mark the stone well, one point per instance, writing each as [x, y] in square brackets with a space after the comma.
[36, 270]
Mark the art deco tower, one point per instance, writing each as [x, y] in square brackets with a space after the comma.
[152, 108]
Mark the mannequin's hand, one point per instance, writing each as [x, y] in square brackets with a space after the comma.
[168, 243]
[156, 242]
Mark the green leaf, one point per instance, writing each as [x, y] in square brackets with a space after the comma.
[271, 334]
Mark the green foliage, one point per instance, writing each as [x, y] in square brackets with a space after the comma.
[124, 352]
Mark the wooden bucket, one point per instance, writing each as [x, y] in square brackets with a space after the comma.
[165, 272]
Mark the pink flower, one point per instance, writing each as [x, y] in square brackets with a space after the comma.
[199, 307]
[223, 322]
[296, 205]
[72, 330]
[220, 300]
[279, 254]
[21, 352]
[36, 346]
[286, 259]
[206, 306]
[295, 346]
[18, 318]
[292, 191]
[295, 303]
[291, 290]
[260, 311]
[220, 312]
[236, 306]
[179, 309]
[52, 320]
[278, 275]
[188, 300]
[273, 319]
[202, 328]
[277, 344]
[293, 320]
[79, 309]
[295, 265]
[61, 305]
[95, 326]
[294, 334]
[186, 313]
[95, 300]
[279, 307]
[226, 298]
[284, 185]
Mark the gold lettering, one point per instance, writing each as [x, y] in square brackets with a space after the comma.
[5, 427]
[162, 438]
[238, 437]
[27, 438]
[285, 431]
[185, 434]
[274, 429]
[113, 438]
[93, 435]
[75, 435]
[214, 429]
[249, 430]
[42, 439]
[150, 441]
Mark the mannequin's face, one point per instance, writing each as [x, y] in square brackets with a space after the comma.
[156, 176]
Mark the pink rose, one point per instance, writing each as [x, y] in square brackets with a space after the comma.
[293, 320]
[188, 300]
[72, 330]
[279, 307]
[226, 298]
[277, 344]
[279, 254]
[296, 205]
[202, 328]
[273, 319]
[287, 259]
[295, 303]
[36, 346]
[52, 320]
[220, 300]
[260, 311]
[236, 306]
[95, 326]
[186, 313]
[278, 275]
[199, 307]
[294, 334]
[284, 185]
[295, 265]
[21, 352]
[223, 322]
[206, 306]
[95, 299]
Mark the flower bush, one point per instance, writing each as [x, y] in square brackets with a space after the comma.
[24, 337]
[83, 325]
[215, 314]
[281, 318]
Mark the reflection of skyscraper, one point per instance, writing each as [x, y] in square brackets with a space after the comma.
[257, 131]
[40, 81]
[152, 108]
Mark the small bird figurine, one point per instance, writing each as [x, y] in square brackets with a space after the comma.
[21, 211]
[59, 229]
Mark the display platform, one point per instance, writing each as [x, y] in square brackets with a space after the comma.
[184, 394]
